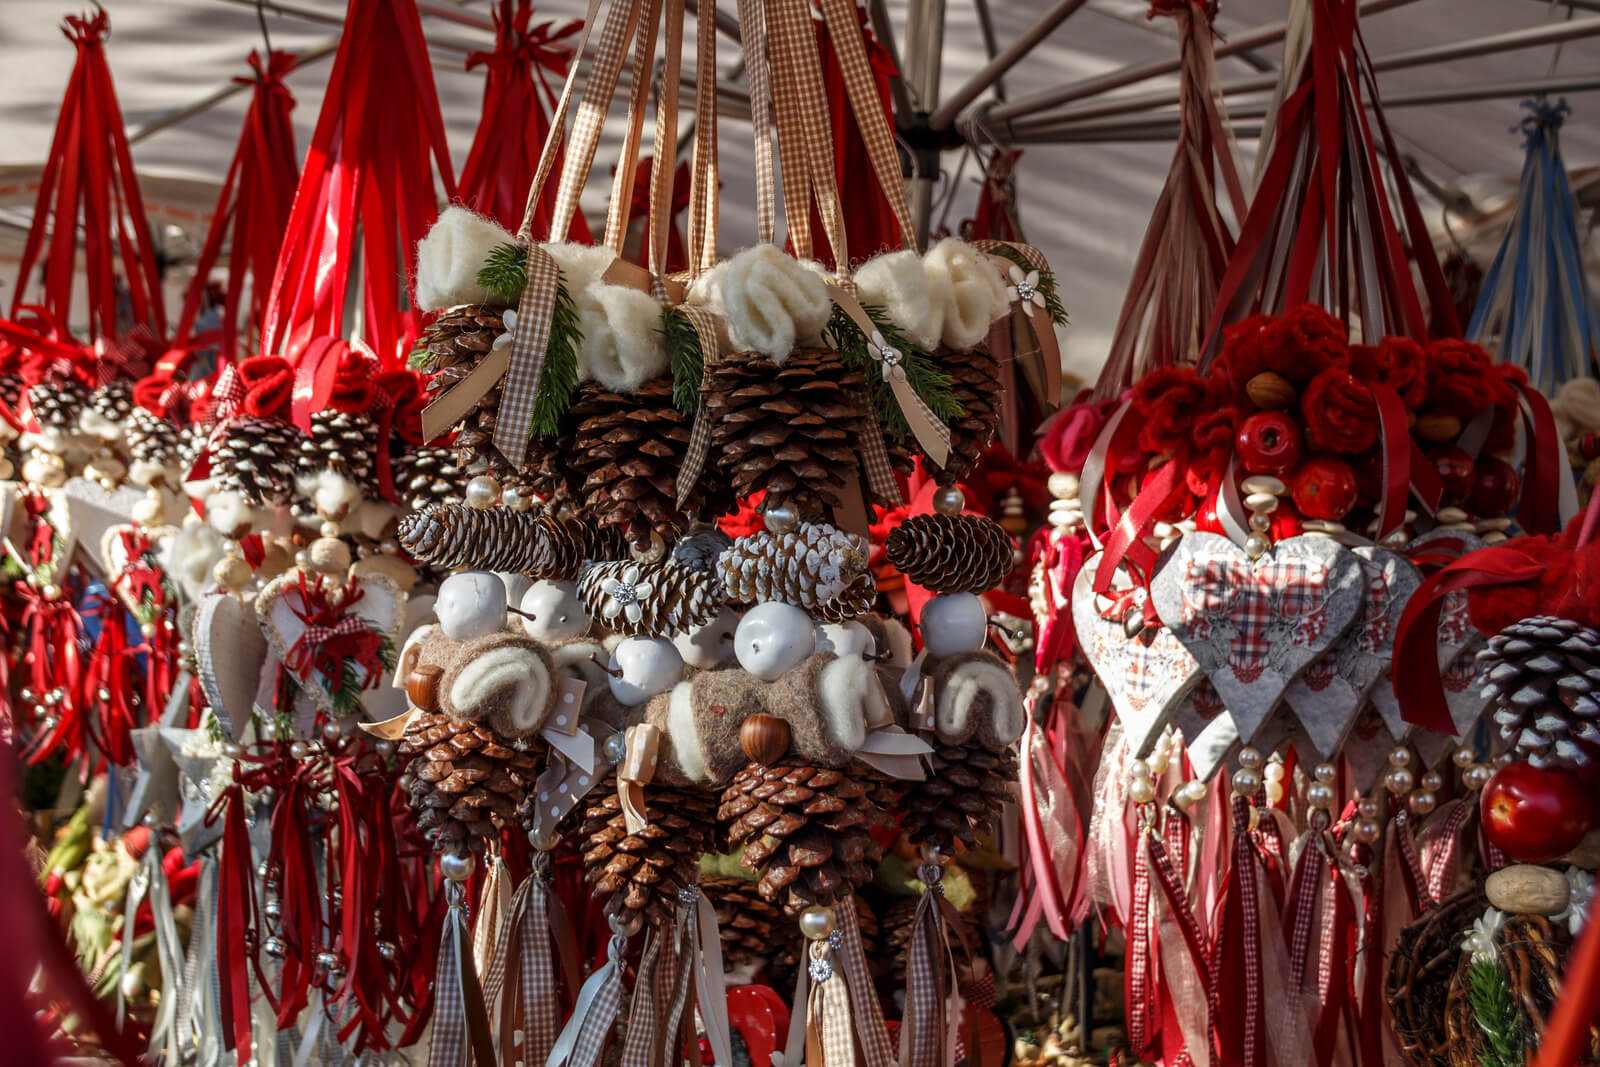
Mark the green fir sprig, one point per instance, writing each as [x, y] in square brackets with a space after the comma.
[347, 693]
[933, 386]
[560, 375]
[688, 361]
[505, 272]
[1047, 284]
[1494, 1008]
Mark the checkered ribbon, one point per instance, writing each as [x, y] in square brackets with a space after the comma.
[753, 31]
[1184, 981]
[703, 182]
[644, 1035]
[830, 1040]
[1407, 845]
[622, 180]
[804, 133]
[1442, 864]
[494, 908]
[867, 1013]
[925, 1026]
[529, 340]
[1309, 876]
[694, 460]
[584, 1037]
[522, 977]
[460, 1025]
[1139, 981]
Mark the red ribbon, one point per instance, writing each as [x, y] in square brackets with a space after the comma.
[1239, 1034]
[1539, 510]
[236, 913]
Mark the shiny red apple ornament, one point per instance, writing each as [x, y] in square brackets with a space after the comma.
[1268, 443]
[1534, 815]
[1324, 488]
[1456, 473]
[1494, 488]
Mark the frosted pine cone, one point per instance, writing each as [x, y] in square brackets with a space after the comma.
[256, 457]
[57, 405]
[427, 476]
[817, 567]
[343, 442]
[1544, 676]
[152, 444]
[951, 553]
[650, 598]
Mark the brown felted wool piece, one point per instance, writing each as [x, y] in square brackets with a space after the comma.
[976, 700]
[718, 704]
[639, 875]
[797, 698]
[575, 659]
[505, 680]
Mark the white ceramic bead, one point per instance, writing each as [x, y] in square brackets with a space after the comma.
[772, 638]
[557, 612]
[711, 645]
[471, 604]
[953, 623]
[1063, 485]
[1261, 502]
[1446, 515]
[649, 665]
[1264, 483]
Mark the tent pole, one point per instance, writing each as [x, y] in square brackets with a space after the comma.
[1422, 57]
[1079, 90]
[219, 94]
[997, 66]
[924, 52]
[883, 30]
[326, 18]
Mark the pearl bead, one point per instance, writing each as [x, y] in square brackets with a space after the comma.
[51, 591]
[332, 732]
[456, 866]
[1189, 794]
[516, 498]
[780, 516]
[299, 750]
[386, 749]
[1139, 769]
[1432, 782]
[1399, 781]
[1261, 522]
[1246, 782]
[614, 748]
[1325, 773]
[1366, 831]
[1263, 483]
[1141, 790]
[483, 491]
[1464, 757]
[1251, 758]
[1274, 792]
[1505, 759]
[232, 749]
[1367, 808]
[1400, 757]
[1476, 776]
[1319, 795]
[1063, 485]
[816, 923]
[1256, 545]
[948, 500]
[1423, 803]
[1159, 760]
[1274, 771]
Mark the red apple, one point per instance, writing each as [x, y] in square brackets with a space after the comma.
[1286, 522]
[1324, 488]
[1268, 443]
[1455, 469]
[1534, 815]
[1494, 489]
[1206, 521]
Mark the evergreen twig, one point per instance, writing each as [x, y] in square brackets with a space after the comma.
[505, 272]
[932, 385]
[688, 361]
[1494, 1009]
[560, 375]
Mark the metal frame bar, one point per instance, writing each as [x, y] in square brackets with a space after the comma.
[884, 32]
[177, 115]
[945, 116]
[329, 19]
[1509, 41]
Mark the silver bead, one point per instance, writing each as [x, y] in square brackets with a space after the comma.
[328, 960]
[1324, 773]
[614, 748]
[1251, 758]
[1399, 781]
[1476, 776]
[817, 922]
[1422, 803]
[273, 908]
[102, 694]
[483, 491]
[275, 948]
[388, 950]
[26, 695]
[457, 866]
[949, 500]
[1256, 545]
[780, 516]
[1400, 757]
[1246, 782]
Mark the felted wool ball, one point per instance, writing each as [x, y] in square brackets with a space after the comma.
[970, 289]
[953, 623]
[848, 638]
[449, 258]
[773, 638]
[648, 665]
[553, 612]
[471, 605]
[897, 283]
[328, 555]
[711, 645]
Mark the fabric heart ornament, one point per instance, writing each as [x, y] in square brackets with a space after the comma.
[1254, 625]
[1147, 675]
[1209, 734]
[91, 511]
[1329, 694]
[1367, 748]
[335, 640]
[230, 651]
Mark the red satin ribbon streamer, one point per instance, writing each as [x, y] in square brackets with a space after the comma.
[90, 169]
[236, 911]
[1415, 672]
[1539, 509]
[252, 209]
[1238, 1030]
[367, 169]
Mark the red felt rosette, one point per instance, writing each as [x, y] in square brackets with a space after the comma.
[1167, 402]
[1403, 366]
[1244, 355]
[1459, 378]
[1339, 413]
[1302, 343]
[353, 381]
[268, 386]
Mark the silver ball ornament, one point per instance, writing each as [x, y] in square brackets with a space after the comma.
[780, 516]
[457, 866]
[949, 500]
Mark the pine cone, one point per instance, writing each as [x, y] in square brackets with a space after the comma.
[629, 447]
[816, 566]
[57, 405]
[789, 431]
[805, 829]
[113, 401]
[192, 438]
[961, 797]
[151, 439]
[257, 457]
[639, 875]
[454, 342]
[670, 597]
[975, 383]
[340, 441]
[894, 936]
[455, 536]
[754, 931]
[464, 782]
[11, 386]
[951, 553]
[547, 472]
[1544, 675]
[426, 476]
[701, 550]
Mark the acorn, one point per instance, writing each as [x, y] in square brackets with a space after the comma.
[1270, 390]
[1437, 428]
[422, 686]
[764, 738]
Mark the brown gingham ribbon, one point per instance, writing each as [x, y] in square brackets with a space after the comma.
[1033, 333]
[622, 180]
[522, 977]
[494, 905]
[871, 1033]
[753, 31]
[584, 1038]
[643, 1037]
[931, 434]
[460, 1025]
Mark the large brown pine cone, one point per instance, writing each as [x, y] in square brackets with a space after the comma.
[464, 782]
[975, 382]
[951, 553]
[789, 431]
[1544, 674]
[629, 447]
[454, 343]
[639, 875]
[961, 797]
[804, 828]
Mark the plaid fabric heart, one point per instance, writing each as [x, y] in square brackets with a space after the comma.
[1254, 625]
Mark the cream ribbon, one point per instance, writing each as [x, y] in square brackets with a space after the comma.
[931, 434]
[637, 770]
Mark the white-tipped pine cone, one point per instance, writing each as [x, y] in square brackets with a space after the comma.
[816, 567]
[650, 598]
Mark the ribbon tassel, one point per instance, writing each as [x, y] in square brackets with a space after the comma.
[460, 1023]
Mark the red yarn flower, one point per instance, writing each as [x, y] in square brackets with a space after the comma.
[1168, 400]
[1338, 412]
[1403, 367]
[352, 382]
[268, 386]
[1302, 343]
[1244, 355]
[1460, 378]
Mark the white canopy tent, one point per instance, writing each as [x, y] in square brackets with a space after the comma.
[1453, 71]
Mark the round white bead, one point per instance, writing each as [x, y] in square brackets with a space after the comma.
[648, 665]
[953, 623]
[1264, 483]
[471, 604]
[553, 611]
[773, 638]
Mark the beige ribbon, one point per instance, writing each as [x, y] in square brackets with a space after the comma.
[1033, 332]
[871, 1032]
[894, 752]
[640, 1042]
[563, 783]
[703, 194]
[830, 1034]
[494, 905]
[931, 434]
[623, 179]
[753, 34]
[637, 770]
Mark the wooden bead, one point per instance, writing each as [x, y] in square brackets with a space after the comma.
[764, 738]
[1523, 889]
[422, 687]
[1437, 428]
[1270, 390]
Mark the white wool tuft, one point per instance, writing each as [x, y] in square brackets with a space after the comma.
[772, 302]
[845, 692]
[449, 258]
[333, 494]
[144, 472]
[897, 283]
[969, 288]
[190, 556]
[706, 290]
[91, 421]
[508, 675]
[581, 265]
[622, 342]
[684, 735]
[228, 511]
